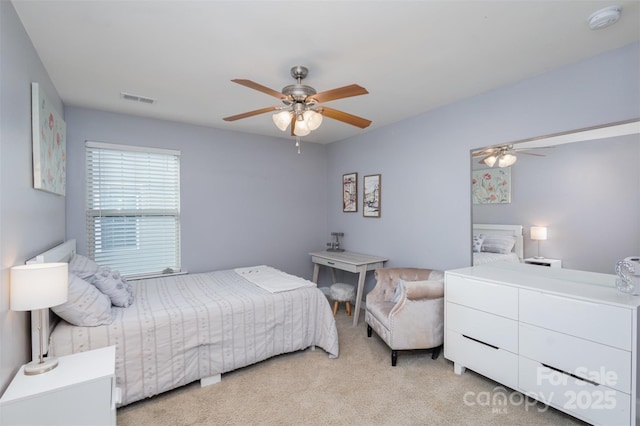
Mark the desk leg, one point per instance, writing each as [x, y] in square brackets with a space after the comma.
[362, 273]
[316, 270]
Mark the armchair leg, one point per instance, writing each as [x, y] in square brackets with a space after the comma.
[436, 352]
[394, 358]
[369, 329]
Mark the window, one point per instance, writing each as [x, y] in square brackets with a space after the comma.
[133, 208]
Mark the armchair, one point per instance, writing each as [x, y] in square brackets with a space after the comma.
[406, 309]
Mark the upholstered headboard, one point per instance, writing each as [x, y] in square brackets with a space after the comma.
[512, 230]
[60, 253]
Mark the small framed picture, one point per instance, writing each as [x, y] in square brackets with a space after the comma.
[350, 192]
[371, 201]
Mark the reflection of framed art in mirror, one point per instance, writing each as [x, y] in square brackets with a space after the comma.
[491, 186]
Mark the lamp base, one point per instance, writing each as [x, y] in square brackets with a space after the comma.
[37, 367]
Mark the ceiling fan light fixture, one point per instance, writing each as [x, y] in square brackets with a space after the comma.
[313, 119]
[490, 160]
[301, 128]
[282, 119]
[507, 160]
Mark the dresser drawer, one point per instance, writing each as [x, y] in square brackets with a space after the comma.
[598, 363]
[492, 329]
[497, 364]
[334, 264]
[494, 298]
[594, 321]
[594, 403]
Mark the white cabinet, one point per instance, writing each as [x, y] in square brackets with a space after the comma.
[567, 338]
[79, 391]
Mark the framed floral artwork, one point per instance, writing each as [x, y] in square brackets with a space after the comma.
[371, 196]
[49, 139]
[491, 186]
[350, 192]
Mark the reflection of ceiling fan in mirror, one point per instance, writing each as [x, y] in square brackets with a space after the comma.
[504, 155]
[301, 104]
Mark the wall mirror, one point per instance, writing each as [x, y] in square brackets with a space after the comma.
[582, 185]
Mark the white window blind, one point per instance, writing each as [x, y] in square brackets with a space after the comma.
[133, 208]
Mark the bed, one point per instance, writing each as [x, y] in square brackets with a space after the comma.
[497, 243]
[190, 327]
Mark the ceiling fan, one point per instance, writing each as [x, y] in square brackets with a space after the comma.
[504, 155]
[301, 104]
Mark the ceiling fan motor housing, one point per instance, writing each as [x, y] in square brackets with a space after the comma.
[299, 92]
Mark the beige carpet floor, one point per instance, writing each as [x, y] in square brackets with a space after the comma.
[358, 388]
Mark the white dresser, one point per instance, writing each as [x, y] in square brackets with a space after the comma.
[79, 391]
[567, 338]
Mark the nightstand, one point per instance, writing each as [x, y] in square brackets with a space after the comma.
[79, 391]
[552, 263]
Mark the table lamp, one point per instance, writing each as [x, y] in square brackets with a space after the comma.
[39, 286]
[538, 233]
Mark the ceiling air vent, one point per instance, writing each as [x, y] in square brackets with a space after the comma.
[136, 98]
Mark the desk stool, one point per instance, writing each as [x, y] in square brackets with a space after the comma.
[341, 292]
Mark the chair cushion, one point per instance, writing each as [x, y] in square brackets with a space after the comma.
[381, 311]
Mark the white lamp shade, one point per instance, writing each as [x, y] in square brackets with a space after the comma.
[282, 119]
[490, 160]
[39, 286]
[313, 119]
[507, 160]
[301, 128]
[538, 233]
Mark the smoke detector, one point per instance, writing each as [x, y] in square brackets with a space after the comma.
[604, 17]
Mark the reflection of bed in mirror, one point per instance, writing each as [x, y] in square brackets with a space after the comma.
[497, 243]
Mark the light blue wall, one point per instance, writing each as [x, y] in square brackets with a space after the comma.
[245, 199]
[31, 221]
[425, 165]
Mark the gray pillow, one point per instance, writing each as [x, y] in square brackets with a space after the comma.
[114, 285]
[85, 306]
[477, 242]
[82, 266]
[498, 244]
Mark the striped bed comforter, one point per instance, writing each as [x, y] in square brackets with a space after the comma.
[183, 328]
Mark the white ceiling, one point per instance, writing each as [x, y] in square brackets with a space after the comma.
[412, 56]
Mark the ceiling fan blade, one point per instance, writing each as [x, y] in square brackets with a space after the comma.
[259, 87]
[529, 153]
[485, 152]
[339, 93]
[293, 124]
[344, 117]
[250, 113]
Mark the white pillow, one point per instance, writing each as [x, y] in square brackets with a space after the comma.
[85, 306]
[498, 244]
[477, 242]
[113, 285]
[398, 294]
[82, 266]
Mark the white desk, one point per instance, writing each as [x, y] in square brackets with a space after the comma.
[350, 262]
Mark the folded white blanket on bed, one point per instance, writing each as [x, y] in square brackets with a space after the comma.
[271, 279]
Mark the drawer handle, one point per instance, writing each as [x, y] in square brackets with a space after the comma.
[330, 263]
[480, 341]
[570, 374]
